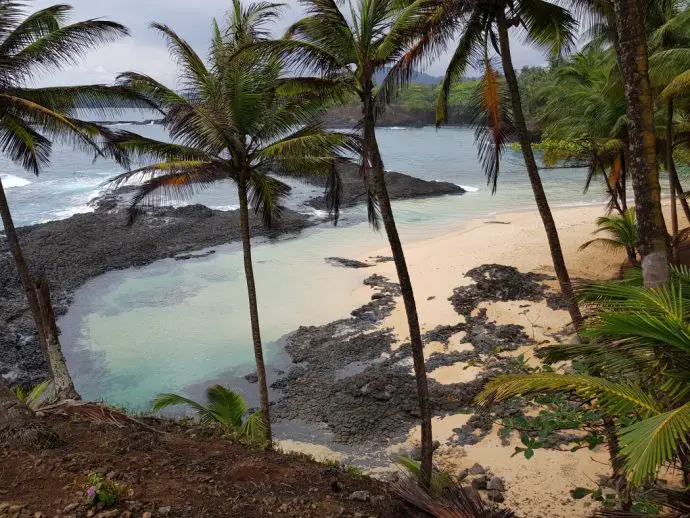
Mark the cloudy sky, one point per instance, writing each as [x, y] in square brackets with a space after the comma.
[145, 51]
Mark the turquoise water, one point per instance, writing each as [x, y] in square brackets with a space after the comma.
[178, 326]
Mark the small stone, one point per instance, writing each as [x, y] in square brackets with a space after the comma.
[477, 469]
[463, 474]
[164, 510]
[252, 378]
[15, 508]
[146, 515]
[39, 514]
[4, 506]
[71, 507]
[480, 482]
[108, 514]
[495, 496]
[360, 496]
[283, 508]
[111, 474]
[496, 483]
[89, 513]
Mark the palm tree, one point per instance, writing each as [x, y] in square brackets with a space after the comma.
[639, 367]
[486, 24]
[32, 45]
[351, 50]
[632, 55]
[585, 108]
[622, 230]
[225, 408]
[669, 62]
[236, 119]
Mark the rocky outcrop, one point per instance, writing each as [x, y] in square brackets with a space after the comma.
[400, 187]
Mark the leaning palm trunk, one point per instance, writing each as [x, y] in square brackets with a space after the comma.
[632, 58]
[62, 381]
[671, 167]
[254, 309]
[533, 173]
[38, 297]
[372, 152]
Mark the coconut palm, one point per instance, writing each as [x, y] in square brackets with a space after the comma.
[585, 108]
[622, 231]
[669, 62]
[639, 364]
[632, 56]
[225, 408]
[486, 25]
[236, 120]
[31, 119]
[351, 49]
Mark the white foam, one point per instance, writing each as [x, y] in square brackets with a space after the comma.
[9, 181]
[225, 207]
[468, 188]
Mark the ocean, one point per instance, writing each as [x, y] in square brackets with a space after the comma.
[178, 326]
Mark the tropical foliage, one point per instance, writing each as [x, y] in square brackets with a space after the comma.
[622, 234]
[635, 363]
[224, 408]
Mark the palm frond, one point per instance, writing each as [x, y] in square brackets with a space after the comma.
[492, 122]
[651, 442]
[63, 46]
[617, 398]
[254, 430]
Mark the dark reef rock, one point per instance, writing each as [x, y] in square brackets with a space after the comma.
[400, 186]
[347, 263]
[496, 282]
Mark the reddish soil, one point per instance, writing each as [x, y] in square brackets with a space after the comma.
[177, 471]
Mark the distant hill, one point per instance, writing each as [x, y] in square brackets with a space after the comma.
[417, 77]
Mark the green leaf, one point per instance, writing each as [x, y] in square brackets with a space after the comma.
[580, 492]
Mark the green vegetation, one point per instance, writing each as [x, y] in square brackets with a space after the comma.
[34, 398]
[100, 490]
[633, 370]
[622, 231]
[224, 408]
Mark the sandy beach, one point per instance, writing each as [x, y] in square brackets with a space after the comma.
[538, 487]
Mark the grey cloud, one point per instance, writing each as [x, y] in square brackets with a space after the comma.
[145, 50]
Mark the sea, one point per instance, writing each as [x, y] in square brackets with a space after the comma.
[177, 326]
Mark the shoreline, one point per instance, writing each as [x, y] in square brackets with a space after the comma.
[457, 362]
[72, 251]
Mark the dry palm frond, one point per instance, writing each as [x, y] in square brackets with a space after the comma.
[455, 502]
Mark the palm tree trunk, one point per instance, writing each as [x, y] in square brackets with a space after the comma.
[671, 167]
[62, 381]
[632, 59]
[18, 424]
[683, 200]
[623, 182]
[28, 283]
[534, 178]
[372, 153]
[254, 310]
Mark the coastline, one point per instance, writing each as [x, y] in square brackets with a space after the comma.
[536, 487]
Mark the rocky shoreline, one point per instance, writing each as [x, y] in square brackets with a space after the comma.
[72, 251]
[348, 375]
